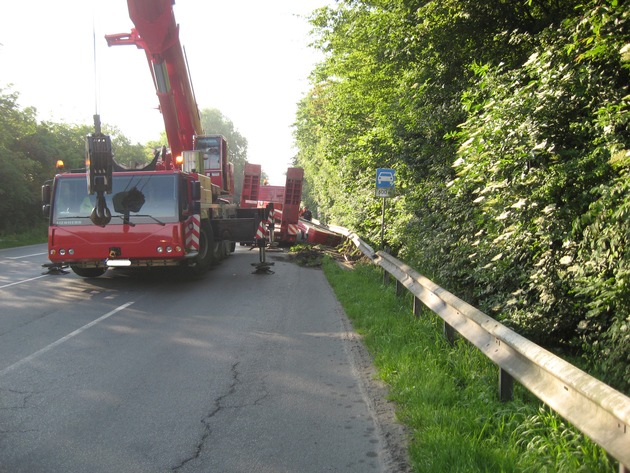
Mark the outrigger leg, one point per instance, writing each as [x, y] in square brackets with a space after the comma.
[264, 229]
[263, 266]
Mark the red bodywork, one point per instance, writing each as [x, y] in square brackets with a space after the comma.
[318, 234]
[138, 244]
[159, 233]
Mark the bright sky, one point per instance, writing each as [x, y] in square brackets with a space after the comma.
[248, 58]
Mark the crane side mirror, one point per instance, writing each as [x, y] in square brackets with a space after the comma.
[46, 193]
[196, 191]
[46, 198]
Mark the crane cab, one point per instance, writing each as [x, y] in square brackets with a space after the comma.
[212, 161]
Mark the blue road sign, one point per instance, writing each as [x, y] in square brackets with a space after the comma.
[385, 178]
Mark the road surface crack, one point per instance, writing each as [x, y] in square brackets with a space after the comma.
[15, 400]
[218, 406]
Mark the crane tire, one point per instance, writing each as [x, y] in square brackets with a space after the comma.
[205, 258]
[218, 253]
[88, 272]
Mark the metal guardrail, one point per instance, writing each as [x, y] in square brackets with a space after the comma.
[599, 411]
[360, 244]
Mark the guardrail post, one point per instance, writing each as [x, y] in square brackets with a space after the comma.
[385, 273]
[399, 288]
[449, 333]
[506, 386]
[417, 307]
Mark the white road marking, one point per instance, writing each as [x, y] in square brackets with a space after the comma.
[25, 256]
[63, 339]
[22, 281]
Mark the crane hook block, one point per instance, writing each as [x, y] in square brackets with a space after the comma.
[99, 160]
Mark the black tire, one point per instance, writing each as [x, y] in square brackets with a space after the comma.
[205, 258]
[88, 272]
[219, 252]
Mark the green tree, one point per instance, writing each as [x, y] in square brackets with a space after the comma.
[19, 172]
[128, 154]
[534, 171]
[215, 123]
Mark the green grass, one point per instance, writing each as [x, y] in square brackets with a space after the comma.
[447, 394]
[27, 237]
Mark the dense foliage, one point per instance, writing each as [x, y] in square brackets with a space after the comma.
[508, 126]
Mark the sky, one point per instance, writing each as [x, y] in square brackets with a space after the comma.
[249, 59]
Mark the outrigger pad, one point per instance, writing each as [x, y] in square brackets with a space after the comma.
[263, 268]
[55, 268]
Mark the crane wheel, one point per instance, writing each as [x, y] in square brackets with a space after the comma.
[218, 253]
[206, 256]
[88, 272]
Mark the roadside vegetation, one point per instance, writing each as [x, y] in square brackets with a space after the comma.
[508, 126]
[35, 235]
[447, 394]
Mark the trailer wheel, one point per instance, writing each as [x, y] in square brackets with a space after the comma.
[88, 272]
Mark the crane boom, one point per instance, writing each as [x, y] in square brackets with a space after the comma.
[157, 33]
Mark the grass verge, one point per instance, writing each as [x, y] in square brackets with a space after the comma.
[447, 394]
[28, 237]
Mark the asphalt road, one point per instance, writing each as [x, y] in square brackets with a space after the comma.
[235, 372]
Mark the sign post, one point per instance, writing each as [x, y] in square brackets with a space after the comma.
[385, 185]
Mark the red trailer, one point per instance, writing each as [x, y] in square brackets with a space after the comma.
[285, 199]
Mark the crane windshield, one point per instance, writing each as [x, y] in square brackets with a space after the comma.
[143, 198]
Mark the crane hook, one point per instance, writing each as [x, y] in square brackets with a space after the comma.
[100, 215]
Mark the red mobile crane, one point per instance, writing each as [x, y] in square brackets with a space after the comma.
[178, 210]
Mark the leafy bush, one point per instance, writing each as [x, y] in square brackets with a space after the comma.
[507, 124]
[535, 166]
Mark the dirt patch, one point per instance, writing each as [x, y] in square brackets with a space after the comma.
[312, 256]
[309, 256]
[393, 434]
